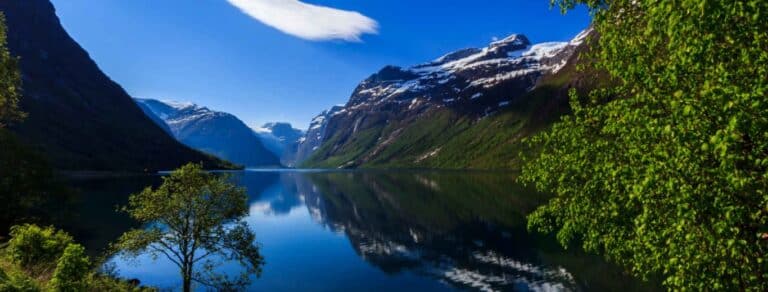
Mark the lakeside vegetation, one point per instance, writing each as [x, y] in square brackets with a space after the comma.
[194, 219]
[44, 259]
[666, 171]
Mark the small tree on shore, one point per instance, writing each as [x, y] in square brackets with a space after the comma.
[195, 220]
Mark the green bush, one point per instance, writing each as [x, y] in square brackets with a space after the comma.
[31, 245]
[72, 270]
[14, 283]
[107, 283]
[44, 259]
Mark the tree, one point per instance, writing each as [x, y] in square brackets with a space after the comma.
[10, 81]
[192, 217]
[665, 170]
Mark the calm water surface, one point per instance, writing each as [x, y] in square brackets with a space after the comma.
[375, 231]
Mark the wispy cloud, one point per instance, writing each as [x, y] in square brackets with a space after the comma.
[308, 21]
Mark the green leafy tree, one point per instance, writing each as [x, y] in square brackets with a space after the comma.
[10, 81]
[666, 170]
[72, 270]
[195, 220]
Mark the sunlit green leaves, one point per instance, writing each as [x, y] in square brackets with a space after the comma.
[664, 171]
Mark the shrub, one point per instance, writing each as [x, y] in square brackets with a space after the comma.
[72, 270]
[10, 282]
[31, 245]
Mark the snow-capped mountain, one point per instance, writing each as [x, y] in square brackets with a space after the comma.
[217, 133]
[476, 80]
[282, 139]
[473, 83]
[316, 133]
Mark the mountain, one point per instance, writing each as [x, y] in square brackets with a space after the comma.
[315, 134]
[282, 139]
[466, 109]
[78, 117]
[217, 133]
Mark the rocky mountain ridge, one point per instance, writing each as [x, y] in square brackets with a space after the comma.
[468, 84]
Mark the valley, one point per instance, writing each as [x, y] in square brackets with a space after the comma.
[262, 145]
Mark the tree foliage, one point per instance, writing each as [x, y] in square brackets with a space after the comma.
[666, 170]
[10, 81]
[195, 220]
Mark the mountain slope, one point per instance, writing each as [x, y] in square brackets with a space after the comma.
[218, 133]
[467, 109]
[80, 118]
[282, 140]
[316, 134]
[156, 119]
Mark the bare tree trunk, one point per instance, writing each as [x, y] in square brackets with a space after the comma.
[187, 279]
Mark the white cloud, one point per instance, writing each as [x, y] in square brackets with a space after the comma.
[308, 21]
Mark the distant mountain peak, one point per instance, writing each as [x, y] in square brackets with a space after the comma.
[282, 139]
[179, 105]
[460, 54]
[514, 41]
[277, 126]
[218, 133]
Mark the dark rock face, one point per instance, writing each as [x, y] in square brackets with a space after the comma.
[78, 116]
[474, 83]
[217, 133]
[281, 139]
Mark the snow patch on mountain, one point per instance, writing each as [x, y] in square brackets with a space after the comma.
[509, 59]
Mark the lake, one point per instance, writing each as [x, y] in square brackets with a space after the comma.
[373, 231]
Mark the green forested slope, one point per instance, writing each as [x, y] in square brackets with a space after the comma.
[447, 139]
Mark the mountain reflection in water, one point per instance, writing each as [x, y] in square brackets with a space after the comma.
[403, 230]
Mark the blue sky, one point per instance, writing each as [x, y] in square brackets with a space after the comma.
[285, 60]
